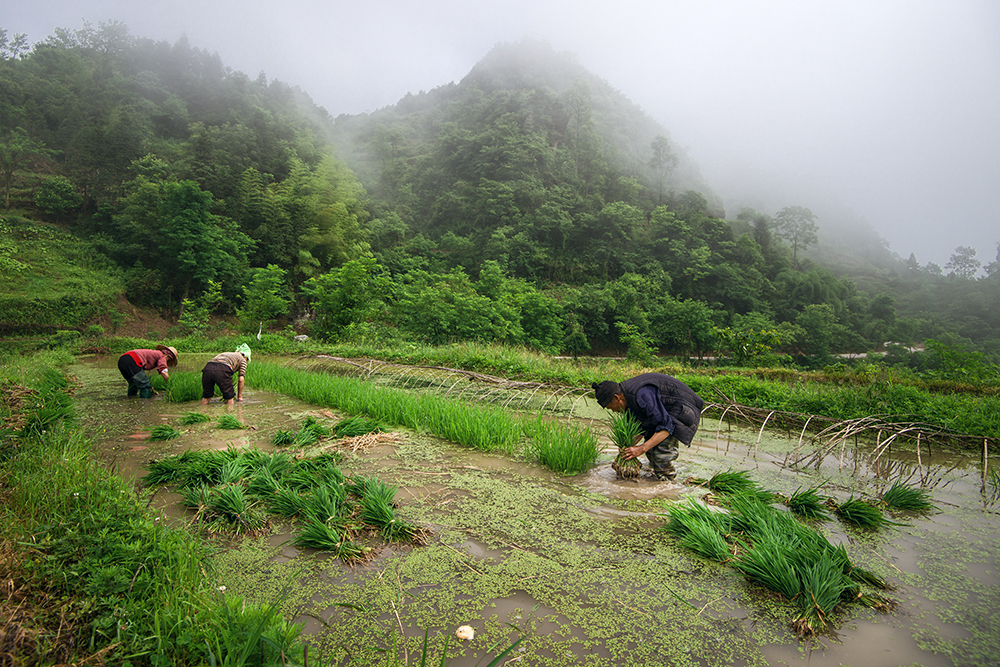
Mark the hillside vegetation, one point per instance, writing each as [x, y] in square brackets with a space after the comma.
[529, 204]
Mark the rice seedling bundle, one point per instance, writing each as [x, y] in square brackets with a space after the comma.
[232, 472]
[326, 502]
[282, 438]
[229, 422]
[287, 502]
[860, 513]
[165, 471]
[807, 504]
[737, 482]
[316, 535]
[624, 430]
[262, 484]
[229, 510]
[164, 432]
[195, 418]
[902, 497]
[354, 426]
[773, 548]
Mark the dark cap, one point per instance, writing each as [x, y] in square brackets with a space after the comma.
[605, 391]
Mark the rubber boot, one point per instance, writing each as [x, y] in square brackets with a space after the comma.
[146, 392]
[132, 390]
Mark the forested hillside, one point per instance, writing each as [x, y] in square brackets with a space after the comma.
[530, 203]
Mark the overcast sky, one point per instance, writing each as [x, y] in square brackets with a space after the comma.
[889, 108]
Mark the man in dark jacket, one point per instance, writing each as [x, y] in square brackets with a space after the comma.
[667, 409]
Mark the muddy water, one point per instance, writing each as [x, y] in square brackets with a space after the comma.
[576, 565]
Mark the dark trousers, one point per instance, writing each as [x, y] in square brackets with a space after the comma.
[138, 381]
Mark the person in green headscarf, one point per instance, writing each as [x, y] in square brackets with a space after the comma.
[219, 372]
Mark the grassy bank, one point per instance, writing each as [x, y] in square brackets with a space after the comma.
[94, 577]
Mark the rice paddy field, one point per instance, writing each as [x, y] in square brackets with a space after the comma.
[582, 567]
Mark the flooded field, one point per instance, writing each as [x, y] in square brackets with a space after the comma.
[579, 566]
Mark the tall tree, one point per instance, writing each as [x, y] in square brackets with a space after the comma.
[963, 262]
[797, 226]
[662, 163]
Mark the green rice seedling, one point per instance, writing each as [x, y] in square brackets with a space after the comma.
[737, 482]
[195, 418]
[861, 514]
[766, 562]
[354, 426]
[232, 472]
[703, 538]
[993, 479]
[288, 502]
[566, 450]
[318, 535]
[278, 463]
[807, 504]
[231, 511]
[326, 501]
[282, 438]
[165, 471]
[164, 432]
[625, 429]
[195, 497]
[300, 479]
[378, 510]
[262, 484]
[823, 586]
[184, 386]
[360, 485]
[323, 463]
[689, 511]
[902, 497]
[310, 433]
[229, 422]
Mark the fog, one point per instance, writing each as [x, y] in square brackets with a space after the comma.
[881, 110]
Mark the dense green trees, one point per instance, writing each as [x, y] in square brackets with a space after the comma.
[531, 203]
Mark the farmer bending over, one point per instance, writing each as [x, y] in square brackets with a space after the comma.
[667, 409]
[219, 371]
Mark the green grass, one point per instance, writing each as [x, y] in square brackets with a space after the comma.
[97, 550]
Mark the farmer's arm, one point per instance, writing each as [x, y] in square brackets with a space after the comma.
[648, 400]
